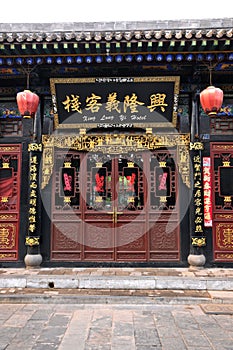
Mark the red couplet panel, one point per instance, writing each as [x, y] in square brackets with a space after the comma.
[222, 200]
[10, 162]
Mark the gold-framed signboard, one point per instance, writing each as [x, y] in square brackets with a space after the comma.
[115, 102]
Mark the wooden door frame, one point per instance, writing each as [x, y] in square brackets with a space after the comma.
[143, 250]
[222, 214]
[117, 144]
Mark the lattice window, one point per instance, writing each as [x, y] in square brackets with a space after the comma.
[99, 180]
[67, 189]
[223, 122]
[10, 119]
[163, 180]
[8, 181]
[221, 125]
[131, 189]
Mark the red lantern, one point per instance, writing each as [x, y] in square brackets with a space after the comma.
[211, 100]
[27, 103]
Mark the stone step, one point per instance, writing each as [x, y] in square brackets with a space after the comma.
[116, 282]
[104, 296]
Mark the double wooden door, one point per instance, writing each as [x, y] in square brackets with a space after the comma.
[120, 207]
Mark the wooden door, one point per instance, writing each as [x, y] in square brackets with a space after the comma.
[66, 214]
[114, 216]
[121, 208]
[222, 194]
[10, 165]
[164, 207]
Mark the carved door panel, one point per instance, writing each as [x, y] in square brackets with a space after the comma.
[130, 216]
[115, 192]
[98, 207]
[222, 194]
[164, 220]
[10, 165]
[66, 216]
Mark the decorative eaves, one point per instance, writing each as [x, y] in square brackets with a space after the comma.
[119, 31]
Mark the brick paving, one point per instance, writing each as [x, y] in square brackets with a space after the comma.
[118, 271]
[113, 327]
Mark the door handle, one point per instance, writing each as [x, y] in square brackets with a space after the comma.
[113, 215]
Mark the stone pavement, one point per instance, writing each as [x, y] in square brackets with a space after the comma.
[116, 309]
[113, 327]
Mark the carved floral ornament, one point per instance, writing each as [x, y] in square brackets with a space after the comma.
[32, 241]
[199, 241]
[116, 144]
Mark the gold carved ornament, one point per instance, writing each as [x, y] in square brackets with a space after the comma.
[224, 256]
[6, 256]
[7, 149]
[197, 146]
[32, 241]
[199, 241]
[224, 236]
[8, 217]
[36, 147]
[115, 144]
[7, 235]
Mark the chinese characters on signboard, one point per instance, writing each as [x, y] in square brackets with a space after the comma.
[72, 103]
[207, 192]
[115, 102]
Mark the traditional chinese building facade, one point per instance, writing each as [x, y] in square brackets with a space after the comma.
[120, 165]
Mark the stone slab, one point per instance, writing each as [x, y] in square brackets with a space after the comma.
[180, 283]
[117, 283]
[13, 282]
[219, 284]
[52, 282]
[217, 309]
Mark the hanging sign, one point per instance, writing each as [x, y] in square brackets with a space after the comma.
[115, 102]
[207, 192]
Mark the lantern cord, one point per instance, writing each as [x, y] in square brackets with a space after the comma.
[28, 71]
[28, 79]
[210, 68]
[210, 71]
